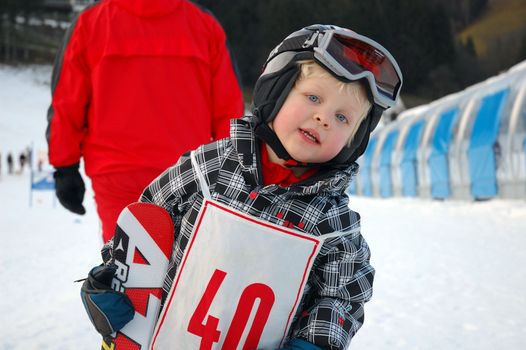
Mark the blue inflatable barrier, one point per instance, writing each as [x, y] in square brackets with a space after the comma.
[482, 146]
[386, 188]
[352, 187]
[438, 160]
[408, 166]
[365, 170]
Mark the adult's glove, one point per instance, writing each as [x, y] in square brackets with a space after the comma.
[107, 309]
[300, 344]
[70, 188]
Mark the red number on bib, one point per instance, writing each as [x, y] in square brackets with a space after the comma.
[208, 331]
[239, 322]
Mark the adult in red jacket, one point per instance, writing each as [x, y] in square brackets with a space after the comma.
[136, 84]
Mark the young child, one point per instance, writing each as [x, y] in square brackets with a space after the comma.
[268, 205]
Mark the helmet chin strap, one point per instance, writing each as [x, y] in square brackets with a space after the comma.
[266, 134]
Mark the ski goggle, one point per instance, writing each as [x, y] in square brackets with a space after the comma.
[351, 56]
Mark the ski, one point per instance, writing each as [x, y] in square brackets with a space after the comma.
[142, 247]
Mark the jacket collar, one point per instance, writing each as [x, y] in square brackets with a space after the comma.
[148, 8]
[246, 145]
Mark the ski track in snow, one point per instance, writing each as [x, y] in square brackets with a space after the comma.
[449, 275]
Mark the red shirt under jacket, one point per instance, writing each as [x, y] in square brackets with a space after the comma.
[276, 174]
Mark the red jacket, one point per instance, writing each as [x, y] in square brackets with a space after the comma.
[138, 83]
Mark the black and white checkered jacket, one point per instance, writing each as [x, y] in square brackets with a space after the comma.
[331, 311]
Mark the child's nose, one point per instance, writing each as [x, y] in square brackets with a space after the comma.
[322, 119]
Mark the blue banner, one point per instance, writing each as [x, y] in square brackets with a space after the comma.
[42, 181]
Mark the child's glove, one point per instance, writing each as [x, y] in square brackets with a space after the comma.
[107, 309]
[300, 344]
[70, 188]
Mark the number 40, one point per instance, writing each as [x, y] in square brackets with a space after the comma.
[208, 331]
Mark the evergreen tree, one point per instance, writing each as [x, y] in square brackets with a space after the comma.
[469, 47]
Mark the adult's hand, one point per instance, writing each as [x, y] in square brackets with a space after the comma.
[70, 188]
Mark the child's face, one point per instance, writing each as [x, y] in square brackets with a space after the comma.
[317, 119]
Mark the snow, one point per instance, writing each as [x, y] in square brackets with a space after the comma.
[450, 275]
[24, 99]
[33, 21]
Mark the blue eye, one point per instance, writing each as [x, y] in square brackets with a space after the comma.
[341, 118]
[314, 98]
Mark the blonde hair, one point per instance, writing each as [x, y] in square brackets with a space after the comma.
[311, 69]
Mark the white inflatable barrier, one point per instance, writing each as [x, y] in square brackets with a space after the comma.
[467, 145]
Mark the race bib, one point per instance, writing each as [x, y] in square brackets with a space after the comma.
[238, 285]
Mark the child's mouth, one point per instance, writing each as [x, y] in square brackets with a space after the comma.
[310, 136]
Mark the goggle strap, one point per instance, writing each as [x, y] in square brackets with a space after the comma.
[293, 44]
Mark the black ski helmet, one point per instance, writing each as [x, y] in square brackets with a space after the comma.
[280, 73]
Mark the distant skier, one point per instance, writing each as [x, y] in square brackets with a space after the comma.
[10, 163]
[22, 159]
[29, 154]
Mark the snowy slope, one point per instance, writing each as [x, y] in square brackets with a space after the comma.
[450, 275]
[43, 248]
[24, 99]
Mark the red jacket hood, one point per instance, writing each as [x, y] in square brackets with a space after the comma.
[148, 8]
